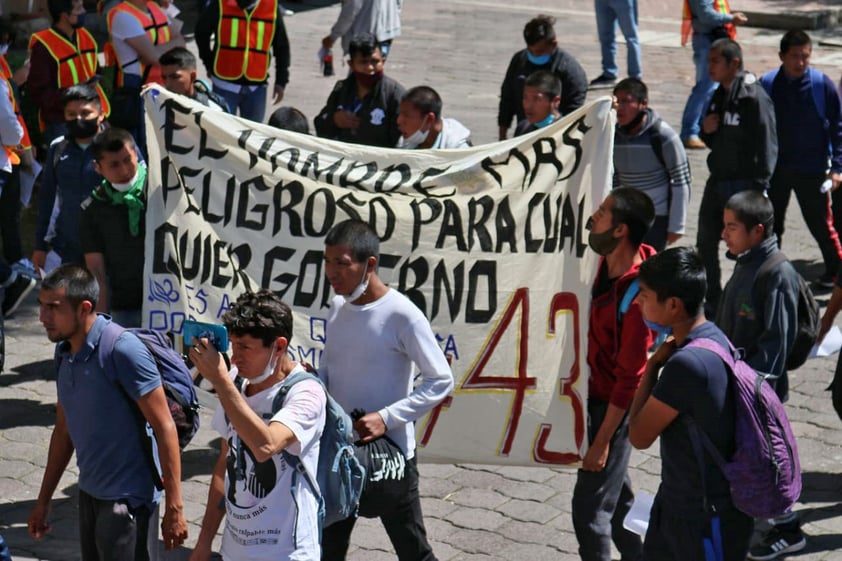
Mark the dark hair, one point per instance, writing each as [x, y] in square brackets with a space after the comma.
[729, 49]
[539, 29]
[677, 272]
[364, 44]
[79, 284]
[794, 38]
[752, 208]
[289, 119]
[425, 99]
[547, 82]
[180, 57]
[111, 139]
[262, 315]
[635, 209]
[634, 87]
[58, 7]
[358, 236]
[81, 92]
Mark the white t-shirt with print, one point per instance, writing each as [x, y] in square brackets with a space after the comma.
[262, 521]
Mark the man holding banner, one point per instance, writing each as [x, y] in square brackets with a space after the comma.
[376, 339]
[618, 340]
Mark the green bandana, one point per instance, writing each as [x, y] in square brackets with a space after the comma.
[133, 198]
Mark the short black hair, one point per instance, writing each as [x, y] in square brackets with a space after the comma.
[753, 208]
[81, 92]
[358, 236]
[425, 99]
[289, 119]
[546, 82]
[262, 315]
[729, 49]
[677, 272]
[180, 57]
[635, 209]
[58, 7]
[795, 38]
[79, 284]
[539, 29]
[111, 139]
[634, 87]
[364, 44]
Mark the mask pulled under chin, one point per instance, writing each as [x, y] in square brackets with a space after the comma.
[360, 290]
[368, 80]
[658, 328]
[414, 140]
[125, 187]
[268, 371]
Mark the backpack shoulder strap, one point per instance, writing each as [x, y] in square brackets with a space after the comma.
[656, 140]
[628, 298]
[107, 341]
[727, 356]
[767, 79]
[818, 92]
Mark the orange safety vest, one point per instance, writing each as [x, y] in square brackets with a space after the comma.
[77, 63]
[157, 28]
[244, 40]
[11, 152]
[720, 6]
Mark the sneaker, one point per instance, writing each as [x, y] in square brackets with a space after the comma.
[16, 292]
[776, 543]
[694, 143]
[824, 283]
[603, 81]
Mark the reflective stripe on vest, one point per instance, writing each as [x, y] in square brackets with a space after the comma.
[720, 6]
[157, 28]
[244, 40]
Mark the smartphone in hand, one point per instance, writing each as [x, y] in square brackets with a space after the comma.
[216, 334]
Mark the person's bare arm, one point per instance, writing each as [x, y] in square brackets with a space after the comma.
[95, 262]
[149, 53]
[60, 452]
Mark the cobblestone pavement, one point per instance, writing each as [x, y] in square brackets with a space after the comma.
[473, 512]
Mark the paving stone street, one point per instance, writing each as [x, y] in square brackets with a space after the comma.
[472, 512]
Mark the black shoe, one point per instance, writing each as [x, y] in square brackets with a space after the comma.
[776, 543]
[16, 292]
[603, 81]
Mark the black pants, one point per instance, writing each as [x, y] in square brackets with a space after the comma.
[674, 536]
[601, 499]
[113, 531]
[815, 208]
[10, 214]
[403, 523]
[709, 235]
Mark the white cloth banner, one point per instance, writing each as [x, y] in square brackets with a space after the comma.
[489, 242]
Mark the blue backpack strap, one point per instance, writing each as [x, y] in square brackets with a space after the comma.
[105, 349]
[767, 79]
[628, 298]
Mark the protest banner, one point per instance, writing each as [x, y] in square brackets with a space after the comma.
[489, 242]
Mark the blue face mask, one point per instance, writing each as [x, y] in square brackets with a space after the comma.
[538, 60]
[548, 120]
[658, 328]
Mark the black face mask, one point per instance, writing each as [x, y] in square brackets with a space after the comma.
[82, 128]
[633, 124]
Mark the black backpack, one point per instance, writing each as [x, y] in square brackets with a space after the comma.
[809, 318]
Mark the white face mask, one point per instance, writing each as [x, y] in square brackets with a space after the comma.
[414, 140]
[4, 49]
[123, 187]
[361, 288]
[268, 371]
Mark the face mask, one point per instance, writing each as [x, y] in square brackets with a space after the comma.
[4, 49]
[414, 140]
[124, 187]
[368, 80]
[80, 21]
[360, 290]
[268, 371]
[633, 123]
[603, 243]
[538, 60]
[82, 128]
[546, 121]
[658, 328]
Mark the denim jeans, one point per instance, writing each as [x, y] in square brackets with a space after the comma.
[694, 110]
[609, 14]
[601, 499]
[251, 104]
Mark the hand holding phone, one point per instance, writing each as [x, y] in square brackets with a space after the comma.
[216, 335]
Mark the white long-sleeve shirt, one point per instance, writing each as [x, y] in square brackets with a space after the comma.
[11, 131]
[370, 359]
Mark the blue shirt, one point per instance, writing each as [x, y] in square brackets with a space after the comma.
[105, 427]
